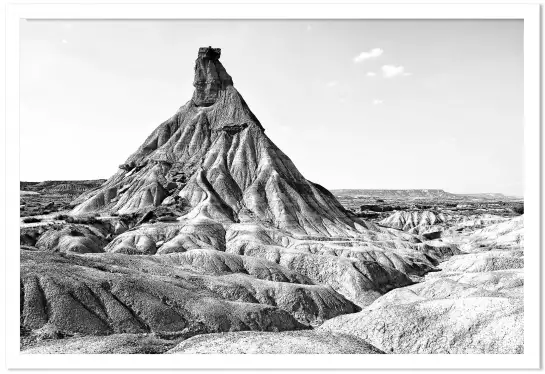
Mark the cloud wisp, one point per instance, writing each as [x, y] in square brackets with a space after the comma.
[391, 71]
[332, 83]
[373, 53]
[371, 74]
[378, 102]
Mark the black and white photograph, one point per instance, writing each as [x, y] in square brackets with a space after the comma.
[273, 186]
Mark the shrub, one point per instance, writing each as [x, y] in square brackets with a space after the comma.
[31, 220]
[518, 209]
[61, 217]
[82, 220]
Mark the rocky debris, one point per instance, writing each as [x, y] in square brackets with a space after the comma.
[288, 342]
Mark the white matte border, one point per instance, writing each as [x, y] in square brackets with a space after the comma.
[528, 12]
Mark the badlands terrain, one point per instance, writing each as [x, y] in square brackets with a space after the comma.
[208, 239]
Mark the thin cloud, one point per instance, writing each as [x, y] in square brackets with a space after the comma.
[390, 71]
[309, 28]
[371, 74]
[373, 53]
[332, 83]
[64, 41]
[378, 102]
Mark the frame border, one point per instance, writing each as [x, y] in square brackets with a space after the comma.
[530, 13]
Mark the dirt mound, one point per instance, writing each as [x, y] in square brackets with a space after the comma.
[473, 305]
[407, 220]
[104, 294]
[288, 342]
[72, 238]
[463, 326]
[508, 234]
[112, 344]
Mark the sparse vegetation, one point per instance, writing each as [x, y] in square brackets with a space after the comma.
[89, 219]
[31, 220]
[518, 209]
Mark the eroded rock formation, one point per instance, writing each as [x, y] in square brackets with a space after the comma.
[227, 236]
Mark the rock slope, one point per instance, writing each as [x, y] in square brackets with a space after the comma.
[287, 342]
[241, 194]
[474, 305]
[180, 294]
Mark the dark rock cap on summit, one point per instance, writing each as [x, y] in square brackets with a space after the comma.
[210, 77]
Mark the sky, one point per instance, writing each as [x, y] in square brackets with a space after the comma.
[393, 104]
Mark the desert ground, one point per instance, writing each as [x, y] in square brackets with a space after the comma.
[208, 239]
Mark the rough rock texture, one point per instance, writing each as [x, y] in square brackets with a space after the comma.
[189, 293]
[219, 161]
[288, 342]
[112, 344]
[72, 238]
[210, 77]
[403, 194]
[474, 305]
[360, 269]
[241, 194]
[487, 261]
[228, 235]
[425, 222]
[508, 234]
[467, 325]
[407, 220]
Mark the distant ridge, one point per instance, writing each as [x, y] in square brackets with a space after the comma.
[411, 193]
[420, 194]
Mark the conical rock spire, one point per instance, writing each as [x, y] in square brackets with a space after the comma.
[236, 191]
